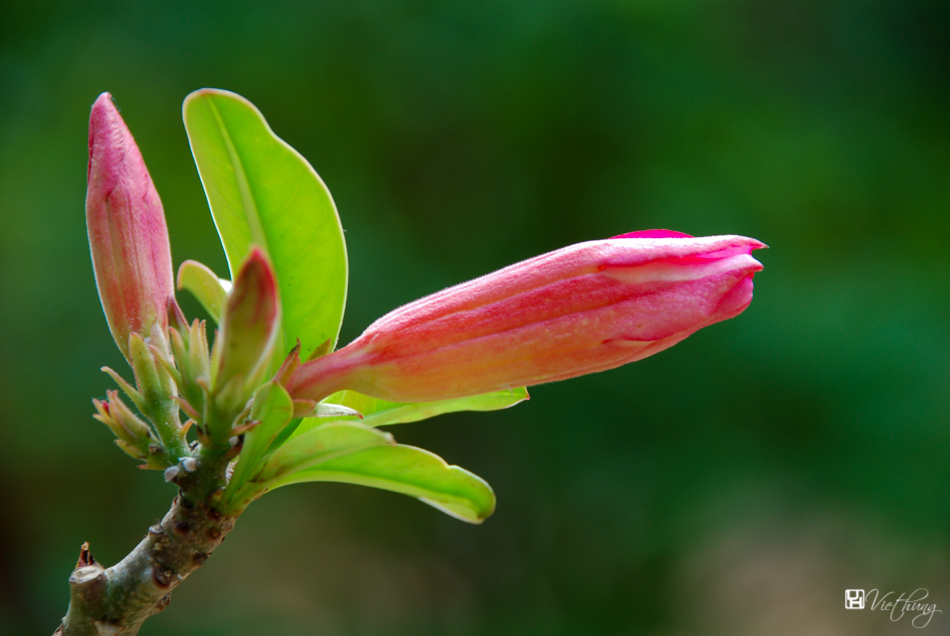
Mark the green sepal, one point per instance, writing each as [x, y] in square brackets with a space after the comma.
[157, 388]
[190, 348]
[127, 388]
[154, 383]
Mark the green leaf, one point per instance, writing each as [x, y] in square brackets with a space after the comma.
[316, 446]
[378, 412]
[301, 453]
[263, 191]
[411, 471]
[205, 286]
[273, 408]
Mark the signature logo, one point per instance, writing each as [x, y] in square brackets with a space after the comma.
[912, 605]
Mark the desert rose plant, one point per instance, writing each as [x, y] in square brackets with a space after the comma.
[270, 402]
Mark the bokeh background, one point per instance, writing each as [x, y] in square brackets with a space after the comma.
[736, 484]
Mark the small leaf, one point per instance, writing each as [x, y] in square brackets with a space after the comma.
[274, 409]
[378, 412]
[301, 453]
[205, 286]
[411, 471]
[316, 446]
[263, 191]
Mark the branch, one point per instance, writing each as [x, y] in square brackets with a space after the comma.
[116, 601]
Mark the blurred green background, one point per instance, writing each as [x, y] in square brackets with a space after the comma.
[735, 484]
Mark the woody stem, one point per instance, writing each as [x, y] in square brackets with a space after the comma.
[116, 601]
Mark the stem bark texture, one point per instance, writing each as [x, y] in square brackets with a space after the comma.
[116, 601]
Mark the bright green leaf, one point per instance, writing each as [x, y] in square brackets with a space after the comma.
[316, 446]
[205, 286]
[301, 453]
[410, 471]
[263, 191]
[378, 412]
[273, 408]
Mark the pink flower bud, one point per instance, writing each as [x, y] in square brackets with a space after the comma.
[581, 309]
[127, 233]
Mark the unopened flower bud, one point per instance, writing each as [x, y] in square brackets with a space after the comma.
[133, 435]
[127, 234]
[250, 323]
[581, 309]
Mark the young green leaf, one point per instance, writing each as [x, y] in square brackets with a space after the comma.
[301, 453]
[263, 191]
[411, 471]
[378, 412]
[205, 286]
